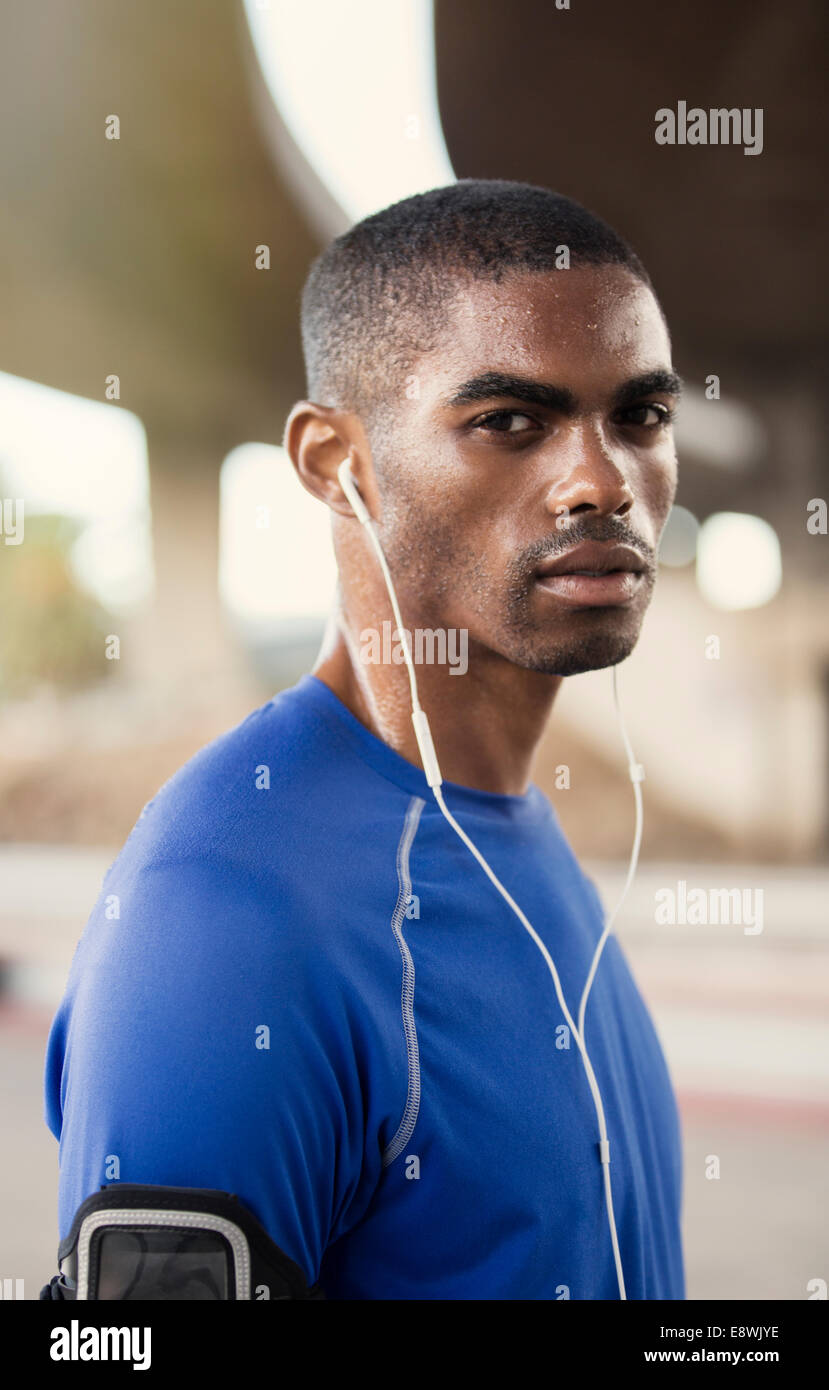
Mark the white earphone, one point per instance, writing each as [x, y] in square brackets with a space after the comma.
[431, 768]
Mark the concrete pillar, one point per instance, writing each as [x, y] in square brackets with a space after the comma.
[180, 649]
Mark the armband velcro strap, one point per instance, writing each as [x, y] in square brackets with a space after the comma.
[136, 1241]
[56, 1289]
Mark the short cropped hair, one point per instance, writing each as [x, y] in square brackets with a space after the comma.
[378, 296]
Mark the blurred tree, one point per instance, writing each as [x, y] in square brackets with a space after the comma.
[50, 629]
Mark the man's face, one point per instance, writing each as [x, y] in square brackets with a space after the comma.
[539, 422]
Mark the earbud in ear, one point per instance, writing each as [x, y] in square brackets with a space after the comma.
[349, 487]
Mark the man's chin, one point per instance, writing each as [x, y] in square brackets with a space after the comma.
[591, 652]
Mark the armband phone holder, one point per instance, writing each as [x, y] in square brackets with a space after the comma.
[131, 1242]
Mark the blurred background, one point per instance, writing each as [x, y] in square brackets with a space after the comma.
[169, 171]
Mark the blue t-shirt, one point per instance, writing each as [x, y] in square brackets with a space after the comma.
[298, 985]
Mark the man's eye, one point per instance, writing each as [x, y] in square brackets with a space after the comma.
[660, 415]
[505, 422]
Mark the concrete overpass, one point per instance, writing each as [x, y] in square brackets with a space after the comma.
[136, 256]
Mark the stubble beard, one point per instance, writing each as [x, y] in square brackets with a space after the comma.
[443, 583]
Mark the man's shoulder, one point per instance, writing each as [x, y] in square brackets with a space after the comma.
[237, 788]
[230, 837]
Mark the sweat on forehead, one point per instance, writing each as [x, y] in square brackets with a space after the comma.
[378, 296]
[588, 316]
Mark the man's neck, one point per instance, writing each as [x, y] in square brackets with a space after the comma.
[486, 724]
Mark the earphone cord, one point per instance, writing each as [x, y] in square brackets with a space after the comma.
[434, 777]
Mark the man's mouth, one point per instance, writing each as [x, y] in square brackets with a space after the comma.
[593, 575]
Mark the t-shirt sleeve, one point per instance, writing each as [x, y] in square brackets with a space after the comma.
[200, 1043]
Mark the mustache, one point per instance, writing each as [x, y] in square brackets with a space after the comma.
[602, 529]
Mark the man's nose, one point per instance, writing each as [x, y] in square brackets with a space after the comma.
[585, 475]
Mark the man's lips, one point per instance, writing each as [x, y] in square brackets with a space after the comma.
[593, 557]
[593, 574]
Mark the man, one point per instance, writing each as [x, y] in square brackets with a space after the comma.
[312, 996]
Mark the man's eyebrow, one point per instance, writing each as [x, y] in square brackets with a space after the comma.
[659, 382]
[491, 385]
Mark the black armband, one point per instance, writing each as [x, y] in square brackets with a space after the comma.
[132, 1241]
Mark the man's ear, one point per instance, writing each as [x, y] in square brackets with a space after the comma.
[317, 439]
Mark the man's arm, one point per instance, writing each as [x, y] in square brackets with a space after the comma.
[201, 1044]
